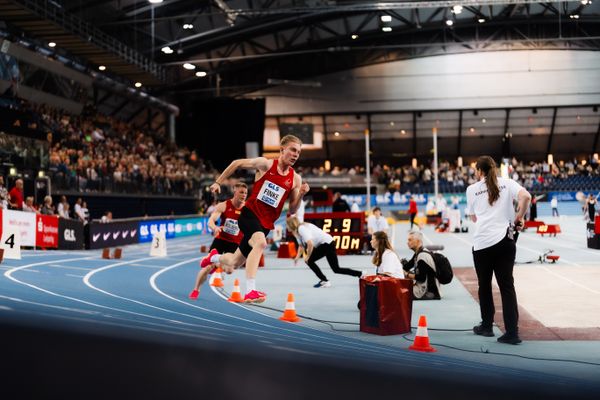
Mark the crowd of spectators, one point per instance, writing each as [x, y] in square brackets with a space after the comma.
[94, 152]
[537, 176]
[15, 199]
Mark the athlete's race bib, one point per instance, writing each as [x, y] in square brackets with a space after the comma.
[271, 194]
[231, 227]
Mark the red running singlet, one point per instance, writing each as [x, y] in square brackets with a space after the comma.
[269, 195]
[229, 221]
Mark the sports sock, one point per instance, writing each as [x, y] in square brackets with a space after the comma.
[215, 259]
[250, 285]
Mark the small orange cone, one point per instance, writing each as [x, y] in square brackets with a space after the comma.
[236, 295]
[218, 278]
[289, 314]
[202, 249]
[106, 254]
[421, 342]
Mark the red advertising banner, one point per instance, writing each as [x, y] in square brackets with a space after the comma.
[46, 232]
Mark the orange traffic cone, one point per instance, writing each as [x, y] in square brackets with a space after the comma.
[202, 249]
[106, 254]
[289, 314]
[236, 295]
[421, 342]
[218, 279]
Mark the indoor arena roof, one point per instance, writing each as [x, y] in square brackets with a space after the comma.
[239, 46]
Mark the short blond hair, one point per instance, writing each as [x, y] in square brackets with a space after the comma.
[290, 138]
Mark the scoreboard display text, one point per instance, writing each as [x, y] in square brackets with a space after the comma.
[345, 227]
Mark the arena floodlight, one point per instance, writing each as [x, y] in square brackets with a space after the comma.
[189, 66]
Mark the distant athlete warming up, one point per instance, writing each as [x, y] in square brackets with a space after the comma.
[274, 182]
[227, 235]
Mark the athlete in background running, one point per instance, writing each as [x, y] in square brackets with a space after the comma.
[227, 235]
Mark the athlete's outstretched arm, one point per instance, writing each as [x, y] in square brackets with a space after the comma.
[259, 163]
[297, 193]
[212, 221]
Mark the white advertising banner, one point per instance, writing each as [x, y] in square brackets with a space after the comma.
[22, 222]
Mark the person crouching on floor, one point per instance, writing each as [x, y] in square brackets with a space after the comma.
[421, 269]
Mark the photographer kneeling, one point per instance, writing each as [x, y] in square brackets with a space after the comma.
[421, 269]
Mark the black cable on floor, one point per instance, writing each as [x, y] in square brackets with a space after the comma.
[482, 351]
[486, 351]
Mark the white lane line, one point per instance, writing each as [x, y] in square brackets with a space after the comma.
[75, 276]
[569, 280]
[342, 344]
[558, 244]
[520, 246]
[192, 333]
[70, 309]
[538, 252]
[8, 274]
[238, 328]
[68, 267]
[427, 240]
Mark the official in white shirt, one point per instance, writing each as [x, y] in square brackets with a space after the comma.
[316, 245]
[377, 222]
[490, 205]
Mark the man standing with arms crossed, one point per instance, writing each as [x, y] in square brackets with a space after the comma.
[274, 182]
[227, 235]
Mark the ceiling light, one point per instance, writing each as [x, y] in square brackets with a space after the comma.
[392, 123]
[471, 130]
[336, 134]
[483, 120]
[481, 20]
[189, 66]
[51, 44]
[188, 26]
[155, 1]
[201, 74]
[102, 67]
[586, 2]
[387, 29]
[403, 132]
[449, 22]
[138, 84]
[574, 16]
[457, 9]
[354, 37]
[167, 50]
[386, 18]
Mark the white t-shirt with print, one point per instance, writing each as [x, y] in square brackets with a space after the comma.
[390, 263]
[309, 231]
[492, 221]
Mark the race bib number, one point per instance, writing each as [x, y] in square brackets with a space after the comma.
[271, 194]
[231, 227]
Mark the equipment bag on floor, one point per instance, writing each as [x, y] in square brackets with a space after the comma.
[385, 305]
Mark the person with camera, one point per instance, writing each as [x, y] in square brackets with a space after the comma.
[421, 269]
[490, 205]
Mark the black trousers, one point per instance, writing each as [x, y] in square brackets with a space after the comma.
[328, 250]
[412, 219]
[498, 260]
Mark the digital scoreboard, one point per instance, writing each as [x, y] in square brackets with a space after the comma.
[347, 229]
